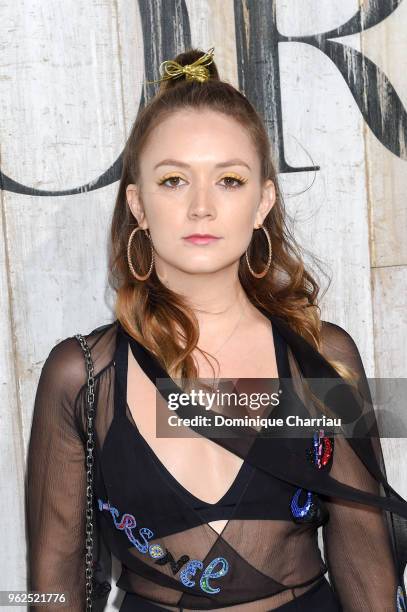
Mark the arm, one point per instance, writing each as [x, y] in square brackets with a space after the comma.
[357, 538]
[56, 481]
[357, 542]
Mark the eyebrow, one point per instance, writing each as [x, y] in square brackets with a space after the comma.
[230, 162]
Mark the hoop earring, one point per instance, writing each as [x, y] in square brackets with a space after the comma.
[132, 270]
[264, 272]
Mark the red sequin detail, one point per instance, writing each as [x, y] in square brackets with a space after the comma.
[327, 450]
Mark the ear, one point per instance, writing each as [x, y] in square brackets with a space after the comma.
[135, 205]
[268, 199]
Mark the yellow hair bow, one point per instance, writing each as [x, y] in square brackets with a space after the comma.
[196, 71]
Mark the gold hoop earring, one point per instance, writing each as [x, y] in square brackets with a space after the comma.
[264, 272]
[132, 270]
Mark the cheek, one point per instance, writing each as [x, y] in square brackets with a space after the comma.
[242, 225]
[164, 216]
[166, 228]
[241, 232]
[236, 213]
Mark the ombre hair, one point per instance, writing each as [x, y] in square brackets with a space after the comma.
[156, 316]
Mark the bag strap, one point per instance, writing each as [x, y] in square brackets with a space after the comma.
[89, 471]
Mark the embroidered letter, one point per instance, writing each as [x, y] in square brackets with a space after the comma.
[175, 565]
[145, 532]
[190, 569]
[156, 551]
[204, 582]
[162, 556]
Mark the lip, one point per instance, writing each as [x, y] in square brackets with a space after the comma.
[201, 238]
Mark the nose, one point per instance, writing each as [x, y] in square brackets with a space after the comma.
[201, 204]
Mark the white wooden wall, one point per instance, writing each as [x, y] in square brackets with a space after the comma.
[70, 83]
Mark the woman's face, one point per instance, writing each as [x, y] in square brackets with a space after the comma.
[199, 174]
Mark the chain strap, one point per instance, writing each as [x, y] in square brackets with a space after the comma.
[89, 470]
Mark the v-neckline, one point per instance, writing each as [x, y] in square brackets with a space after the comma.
[153, 369]
[245, 470]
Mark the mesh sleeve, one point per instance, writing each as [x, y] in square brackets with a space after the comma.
[56, 481]
[357, 538]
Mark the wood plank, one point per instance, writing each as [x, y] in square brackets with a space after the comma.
[386, 46]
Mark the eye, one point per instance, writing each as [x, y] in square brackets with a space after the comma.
[170, 178]
[232, 182]
[235, 179]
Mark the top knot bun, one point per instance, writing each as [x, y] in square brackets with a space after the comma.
[193, 65]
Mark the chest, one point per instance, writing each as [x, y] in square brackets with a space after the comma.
[198, 464]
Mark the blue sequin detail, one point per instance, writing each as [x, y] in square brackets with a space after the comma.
[316, 448]
[190, 570]
[161, 556]
[208, 573]
[400, 601]
[297, 510]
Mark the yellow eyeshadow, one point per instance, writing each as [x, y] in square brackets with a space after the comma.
[168, 176]
[229, 175]
[235, 176]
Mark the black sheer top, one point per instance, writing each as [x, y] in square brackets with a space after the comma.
[268, 551]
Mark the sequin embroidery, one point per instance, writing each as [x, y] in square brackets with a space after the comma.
[190, 570]
[204, 582]
[161, 556]
[300, 511]
[175, 565]
[156, 551]
[320, 455]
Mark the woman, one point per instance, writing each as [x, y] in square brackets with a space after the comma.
[228, 523]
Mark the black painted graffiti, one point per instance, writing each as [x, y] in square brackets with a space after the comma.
[257, 45]
[155, 17]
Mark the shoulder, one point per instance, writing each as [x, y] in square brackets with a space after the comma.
[65, 364]
[333, 334]
[338, 344]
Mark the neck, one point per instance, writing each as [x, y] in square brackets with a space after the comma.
[216, 298]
